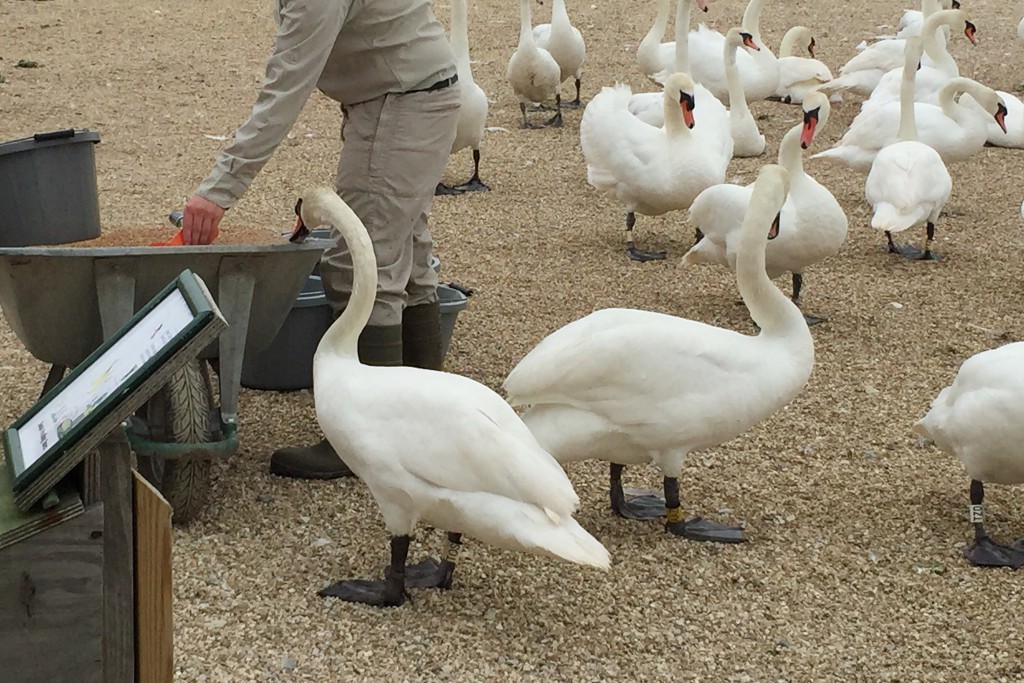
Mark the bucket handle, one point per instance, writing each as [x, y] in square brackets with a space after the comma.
[54, 135]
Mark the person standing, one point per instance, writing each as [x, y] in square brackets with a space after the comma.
[391, 68]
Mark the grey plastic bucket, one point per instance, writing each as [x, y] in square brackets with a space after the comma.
[48, 192]
[287, 364]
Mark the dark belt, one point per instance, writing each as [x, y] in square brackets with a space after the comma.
[440, 85]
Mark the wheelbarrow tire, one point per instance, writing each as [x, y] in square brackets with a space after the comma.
[182, 408]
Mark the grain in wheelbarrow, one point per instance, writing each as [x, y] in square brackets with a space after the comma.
[853, 571]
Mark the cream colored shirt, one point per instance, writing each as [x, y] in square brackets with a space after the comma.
[353, 51]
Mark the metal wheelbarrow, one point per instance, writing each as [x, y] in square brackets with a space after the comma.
[63, 302]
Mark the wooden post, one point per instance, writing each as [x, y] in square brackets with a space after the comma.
[118, 559]
[154, 625]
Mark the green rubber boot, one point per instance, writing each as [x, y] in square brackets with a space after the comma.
[421, 336]
[380, 346]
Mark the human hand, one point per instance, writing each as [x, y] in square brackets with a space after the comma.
[201, 221]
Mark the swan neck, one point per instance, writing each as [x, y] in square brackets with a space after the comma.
[342, 337]
[935, 40]
[948, 92]
[654, 36]
[790, 154]
[773, 312]
[789, 41]
[752, 19]
[682, 33]
[675, 125]
[908, 125]
[737, 98]
[460, 35]
[525, 24]
[558, 14]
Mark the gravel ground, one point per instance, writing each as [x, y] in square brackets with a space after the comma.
[853, 570]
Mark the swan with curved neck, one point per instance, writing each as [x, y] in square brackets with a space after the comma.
[748, 141]
[864, 71]
[650, 170]
[979, 418]
[565, 43]
[799, 76]
[630, 387]
[715, 127]
[939, 69]
[908, 183]
[759, 70]
[469, 130]
[467, 465]
[953, 129]
[658, 59]
[532, 72]
[814, 224]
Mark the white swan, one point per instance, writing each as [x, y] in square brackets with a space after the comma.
[467, 464]
[929, 78]
[799, 76]
[1013, 136]
[912, 20]
[650, 170]
[469, 130]
[953, 129]
[908, 183]
[814, 225]
[747, 139]
[714, 125]
[979, 418]
[759, 70]
[630, 387]
[658, 59]
[864, 70]
[565, 43]
[533, 73]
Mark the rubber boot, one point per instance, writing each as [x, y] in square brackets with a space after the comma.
[380, 346]
[421, 336]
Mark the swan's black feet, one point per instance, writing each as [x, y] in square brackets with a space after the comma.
[430, 574]
[984, 552]
[387, 593]
[699, 529]
[472, 185]
[555, 121]
[904, 250]
[643, 256]
[929, 255]
[443, 189]
[813, 319]
[638, 507]
[572, 104]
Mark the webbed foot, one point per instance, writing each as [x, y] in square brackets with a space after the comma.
[644, 256]
[813, 319]
[430, 574]
[443, 189]
[700, 529]
[639, 507]
[472, 185]
[387, 593]
[984, 552]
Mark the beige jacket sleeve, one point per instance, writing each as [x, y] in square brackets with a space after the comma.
[307, 31]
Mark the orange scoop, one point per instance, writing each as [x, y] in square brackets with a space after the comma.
[177, 240]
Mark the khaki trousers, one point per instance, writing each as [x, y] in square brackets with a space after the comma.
[394, 154]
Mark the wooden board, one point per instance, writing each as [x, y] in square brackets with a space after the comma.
[51, 604]
[154, 625]
[116, 488]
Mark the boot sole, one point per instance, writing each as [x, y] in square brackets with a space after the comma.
[280, 470]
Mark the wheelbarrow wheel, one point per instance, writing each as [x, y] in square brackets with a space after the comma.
[180, 413]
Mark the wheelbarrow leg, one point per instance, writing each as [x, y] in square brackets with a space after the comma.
[115, 287]
[53, 378]
[235, 289]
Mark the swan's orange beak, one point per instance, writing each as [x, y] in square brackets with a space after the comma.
[687, 104]
[773, 231]
[810, 124]
[702, 5]
[301, 232]
[1000, 116]
[748, 41]
[969, 31]
[810, 48]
